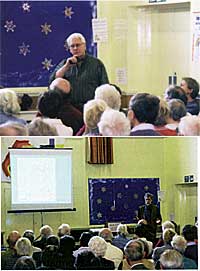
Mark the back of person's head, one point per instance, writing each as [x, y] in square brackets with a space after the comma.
[171, 259]
[93, 110]
[67, 244]
[98, 246]
[50, 256]
[193, 85]
[25, 263]
[134, 250]
[46, 231]
[85, 238]
[176, 93]
[26, 102]
[23, 247]
[77, 36]
[65, 229]
[190, 232]
[52, 240]
[9, 102]
[49, 104]
[117, 88]
[11, 128]
[86, 260]
[12, 238]
[30, 235]
[60, 84]
[38, 127]
[122, 229]
[109, 95]
[106, 234]
[140, 230]
[114, 123]
[177, 109]
[167, 235]
[189, 126]
[179, 243]
[163, 114]
[145, 107]
[168, 225]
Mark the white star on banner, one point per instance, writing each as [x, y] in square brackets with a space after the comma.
[24, 49]
[99, 215]
[46, 28]
[10, 26]
[47, 64]
[68, 12]
[26, 7]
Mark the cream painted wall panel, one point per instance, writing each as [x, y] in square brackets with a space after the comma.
[164, 47]
[180, 159]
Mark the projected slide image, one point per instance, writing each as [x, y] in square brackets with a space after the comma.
[42, 189]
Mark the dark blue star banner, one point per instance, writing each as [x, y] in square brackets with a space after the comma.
[117, 200]
[33, 37]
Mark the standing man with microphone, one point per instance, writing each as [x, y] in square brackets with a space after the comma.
[84, 72]
[149, 214]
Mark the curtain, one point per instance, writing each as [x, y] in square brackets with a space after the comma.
[100, 150]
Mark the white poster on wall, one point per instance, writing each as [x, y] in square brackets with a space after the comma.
[196, 37]
[121, 76]
[100, 30]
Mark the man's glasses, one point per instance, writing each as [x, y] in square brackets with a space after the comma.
[75, 45]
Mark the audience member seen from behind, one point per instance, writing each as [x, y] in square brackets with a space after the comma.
[177, 112]
[190, 234]
[171, 259]
[9, 107]
[189, 126]
[110, 95]
[113, 253]
[38, 127]
[168, 234]
[11, 128]
[175, 93]
[179, 243]
[142, 113]
[162, 119]
[50, 258]
[86, 260]
[142, 232]
[134, 253]
[84, 240]
[165, 225]
[31, 236]
[9, 257]
[45, 232]
[84, 72]
[69, 115]
[67, 246]
[92, 113]
[99, 246]
[121, 239]
[114, 123]
[191, 88]
[25, 263]
[49, 105]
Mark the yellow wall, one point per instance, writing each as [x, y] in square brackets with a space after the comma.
[167, 158]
